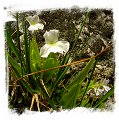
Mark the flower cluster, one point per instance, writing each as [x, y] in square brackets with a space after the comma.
[51, 38]
[100, 89]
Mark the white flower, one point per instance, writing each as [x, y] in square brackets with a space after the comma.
[105, 85]
[52, 44]
[107, 88]
[98, 91]
[103, 88]
[34, 23]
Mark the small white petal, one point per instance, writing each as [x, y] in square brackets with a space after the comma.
[36, 27]
[107, 88]
[51, 36]
[35, 18]
[64, 45]
[98, 91]
[30, 19]
[47, 49]
[44, 51]
[60, 47]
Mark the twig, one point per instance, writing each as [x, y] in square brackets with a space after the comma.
[32, 102]
[35, 97]
[44, 86]
[73, 63]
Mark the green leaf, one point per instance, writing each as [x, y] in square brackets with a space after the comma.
[82, 25]
[104, 97]
[64, 61]
[27, 86]
[69, 98]
[89, 80]
[61, 73]
[14, 64]
[10, 41]
[26, 98]
[84, 102]
[34, 56]
[60, 78]
[48, 64]
[18, 43]
[27, 46]
[82, 74]
[51, 103]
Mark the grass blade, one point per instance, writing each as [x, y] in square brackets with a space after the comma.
[76, 38]
[48, 64]
[101, 100]
[46, 95]
[27, 86]
[89, 80]
[82, 75]
[10, 43]
[64, 61]
[59, 79]
[61, 73]
[14, 64]
[18, 44]
[34, 56]
[27, 47]
[69, 98]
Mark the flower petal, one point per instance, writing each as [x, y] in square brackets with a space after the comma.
[60, 47]
[63, 45]
[36, 27]
[44, 50]
[33, 19]
[47, 49]
[98, 91]
[107, 88]
[36, 19]
[29, 19]
[51, 36]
